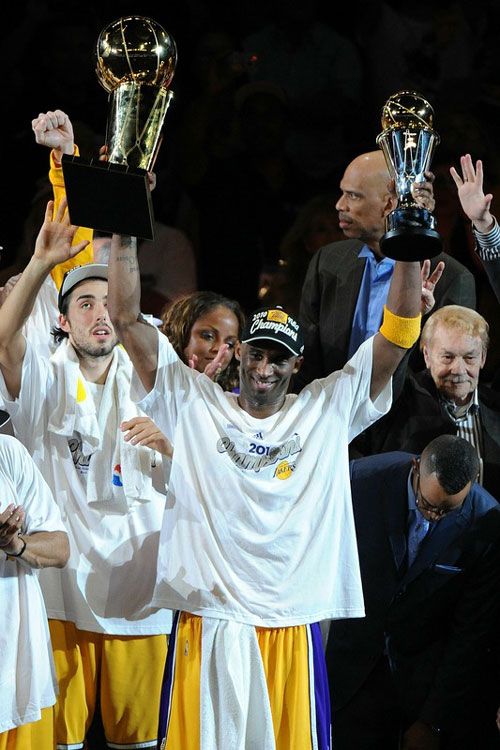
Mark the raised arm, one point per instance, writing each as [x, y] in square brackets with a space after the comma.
[475, 203]
[124, 298]
[476, 206]
[401, 325]
[53, 246]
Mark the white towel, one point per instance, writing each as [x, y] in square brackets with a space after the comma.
[116, 468]
[235, 708]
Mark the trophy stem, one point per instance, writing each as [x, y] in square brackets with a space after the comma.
[137, 113]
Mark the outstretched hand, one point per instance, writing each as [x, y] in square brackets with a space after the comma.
[471, 194]
[214, 368]
[429, 281]
[53, 244]
[54, 129]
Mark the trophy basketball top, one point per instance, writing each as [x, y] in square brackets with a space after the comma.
[135, 49]
[407, 109]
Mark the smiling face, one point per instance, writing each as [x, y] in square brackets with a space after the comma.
[454, 359]
[209, 332]
[87, 321]
[265, 376]
[365, 199]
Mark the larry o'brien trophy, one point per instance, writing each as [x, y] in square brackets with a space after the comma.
[408, 142]
[136, 61]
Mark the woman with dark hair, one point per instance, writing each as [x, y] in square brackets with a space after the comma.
[203, 328]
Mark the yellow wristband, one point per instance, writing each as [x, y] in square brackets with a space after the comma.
[403, 332]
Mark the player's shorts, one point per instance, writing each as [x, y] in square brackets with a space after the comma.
[37, 734]
[295, 677]
[121, 674]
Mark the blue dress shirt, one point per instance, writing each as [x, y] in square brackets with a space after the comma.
[371, 298]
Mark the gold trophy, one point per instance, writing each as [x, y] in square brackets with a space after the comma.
[136, 61]
[408, 142]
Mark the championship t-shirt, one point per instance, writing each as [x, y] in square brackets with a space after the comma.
[27, 678]
[258, 525]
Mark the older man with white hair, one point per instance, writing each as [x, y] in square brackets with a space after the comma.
[447, 397]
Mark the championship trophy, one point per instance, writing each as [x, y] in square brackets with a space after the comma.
[408, 142]
[136, 61]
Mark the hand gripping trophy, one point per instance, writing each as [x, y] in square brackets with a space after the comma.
[408, 142]
[136, 61]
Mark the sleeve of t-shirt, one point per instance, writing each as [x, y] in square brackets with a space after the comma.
[348, 391]
[27, 411]
[174, 386]
[32, 491]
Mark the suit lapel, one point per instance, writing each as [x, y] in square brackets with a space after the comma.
[345, 296]
[445, 533]
[396, 513]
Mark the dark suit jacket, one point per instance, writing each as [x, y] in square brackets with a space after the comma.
[492, 268]
[329, 297]
[435, 618]
[417, 417]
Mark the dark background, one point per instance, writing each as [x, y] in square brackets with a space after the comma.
[446, 52]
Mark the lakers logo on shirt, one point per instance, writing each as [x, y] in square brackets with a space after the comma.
[262, 455]
[284, 470]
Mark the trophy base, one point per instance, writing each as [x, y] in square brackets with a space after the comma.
[108, 197]
[410, 235]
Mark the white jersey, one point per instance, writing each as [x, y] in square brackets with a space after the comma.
[27, 678]
[258, 526]
[109, 580]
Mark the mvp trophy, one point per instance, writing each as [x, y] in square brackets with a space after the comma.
[408, 142]
[135, 64]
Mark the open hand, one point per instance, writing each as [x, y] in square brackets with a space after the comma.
[53, 244]
[471, 194]
[214, 368]
[429, 281]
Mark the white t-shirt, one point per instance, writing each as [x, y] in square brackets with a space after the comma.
[27, 678]
[258, 525]
[108, 583]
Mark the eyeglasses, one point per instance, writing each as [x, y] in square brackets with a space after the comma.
[422, 504]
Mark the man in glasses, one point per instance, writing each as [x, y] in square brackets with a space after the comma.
[415, 669]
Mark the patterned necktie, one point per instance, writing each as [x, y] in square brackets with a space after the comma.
[418, 528]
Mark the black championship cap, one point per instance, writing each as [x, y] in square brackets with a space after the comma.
[81, 273]
[274, 324]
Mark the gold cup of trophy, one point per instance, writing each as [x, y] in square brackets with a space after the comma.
[136, 61]
[408, 141]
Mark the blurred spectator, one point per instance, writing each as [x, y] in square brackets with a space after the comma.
[321, 73]
[316, 225]
[246, 203]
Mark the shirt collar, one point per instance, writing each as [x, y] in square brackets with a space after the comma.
[367, 252]
[460, 412]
